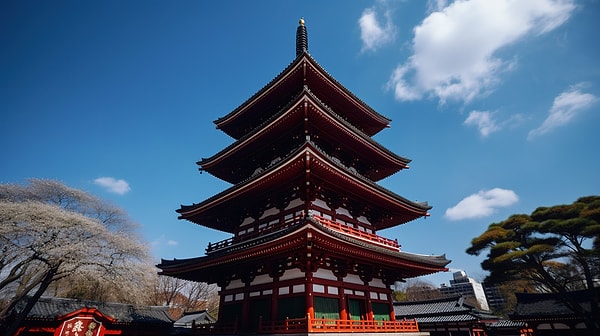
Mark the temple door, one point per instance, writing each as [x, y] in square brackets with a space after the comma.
[259, 308]
[356, 308]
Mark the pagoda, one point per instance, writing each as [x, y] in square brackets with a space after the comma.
[304, 210]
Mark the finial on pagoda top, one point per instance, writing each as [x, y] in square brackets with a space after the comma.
[301, 38]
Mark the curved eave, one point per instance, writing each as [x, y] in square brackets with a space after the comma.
[391, 163]
[399, 208]
[294, 238]
[284, 75]
[370, 121]
[274, 176]
[415, 264]
[293, 167]
[381, 120]
[263, 246]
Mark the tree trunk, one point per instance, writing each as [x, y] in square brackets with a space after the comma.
[14, 326]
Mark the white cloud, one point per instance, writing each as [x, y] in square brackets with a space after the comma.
[373, 33]
[484, 122]
[566, 106]
[487, 122]
[162, 240]
[482, 204]
[455, 49]
[113, 185]
[436, 5]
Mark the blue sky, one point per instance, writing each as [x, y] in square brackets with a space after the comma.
[496, 102]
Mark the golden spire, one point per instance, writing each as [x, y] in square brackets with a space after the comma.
[301, 38]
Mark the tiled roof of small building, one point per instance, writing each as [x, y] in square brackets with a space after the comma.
[189, 319]
[447, 318]
[506, 324]
[439, 306]
[548, 304]
[51, 308]
[442, 310]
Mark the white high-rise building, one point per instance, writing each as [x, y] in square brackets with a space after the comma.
[466, 286]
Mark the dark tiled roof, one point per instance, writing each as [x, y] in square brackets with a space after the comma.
[449, 305]
[548, 304]
[295, 62]
[506, 324]
[442, 310]
[447, 318]
[51, 308]
[201, 317]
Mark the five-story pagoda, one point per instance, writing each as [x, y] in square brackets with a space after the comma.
[304, 211]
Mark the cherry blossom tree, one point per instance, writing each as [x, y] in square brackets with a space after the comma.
[50, 233]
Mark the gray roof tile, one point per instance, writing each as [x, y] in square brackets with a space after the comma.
[51, 308]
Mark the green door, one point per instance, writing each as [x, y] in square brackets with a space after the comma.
[356, 309]
[259, 308]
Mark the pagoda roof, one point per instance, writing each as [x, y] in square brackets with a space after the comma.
[294, 238]
[304, 70]
[324, 170]
[383, 162]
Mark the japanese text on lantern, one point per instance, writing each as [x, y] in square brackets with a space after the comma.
[80, 326]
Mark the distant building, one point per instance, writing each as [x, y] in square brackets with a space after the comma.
[462, 285]
[495, 298]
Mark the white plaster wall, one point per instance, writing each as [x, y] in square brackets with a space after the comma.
[269, 212]
[295, 203]
[353, 278]
[321, 204]
[377, 283]
[324, 274]
[343, 211]
[262, 279]
[294, 273]
[235, 284]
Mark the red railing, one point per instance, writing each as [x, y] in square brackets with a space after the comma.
[230, 241]
[305, 324]
[328, 223]
[370, 237]
[290, 326]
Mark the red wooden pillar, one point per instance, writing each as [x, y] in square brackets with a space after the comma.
[221, 302]
[275, 299]
[391, 305]
[343, 305]
[392, 313]
[245, 318]
[369, 307]
[310, 302]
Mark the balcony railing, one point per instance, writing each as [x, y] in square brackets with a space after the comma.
[306, 324]
[212, 247]
[290, 326]
[370, 237]
[328, 223]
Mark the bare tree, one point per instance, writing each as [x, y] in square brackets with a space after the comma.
[184, 296]
[417, 289]
[50, 233]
